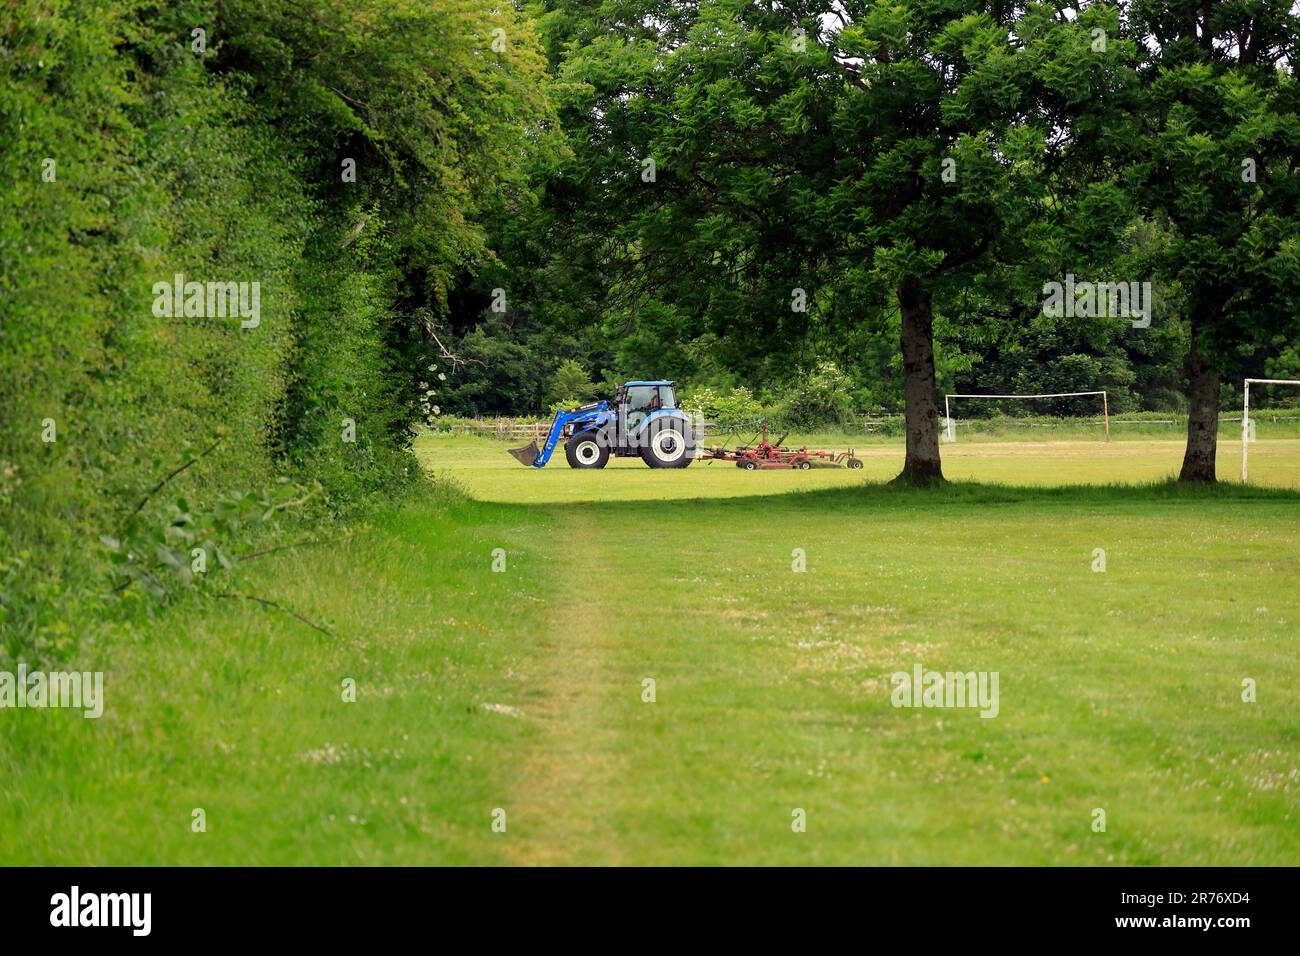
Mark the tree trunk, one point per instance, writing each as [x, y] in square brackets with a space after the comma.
[922, 465]
[1202, 416]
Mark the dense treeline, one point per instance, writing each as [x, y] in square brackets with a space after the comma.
[343, 156]
[761, 191]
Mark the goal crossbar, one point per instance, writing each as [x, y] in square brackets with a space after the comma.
[947, 411]
[1245, 413]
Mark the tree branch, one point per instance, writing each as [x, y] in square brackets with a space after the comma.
[279, 607]
[957, 261]
[310, 542]
[175, 471]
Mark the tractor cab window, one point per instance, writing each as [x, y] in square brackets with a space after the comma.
[644, 398]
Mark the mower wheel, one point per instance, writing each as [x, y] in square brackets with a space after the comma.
[804, 465]
[855, 462]
[586, 450]
[748, 465]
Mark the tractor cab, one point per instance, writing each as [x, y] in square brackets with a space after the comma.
[645, 398]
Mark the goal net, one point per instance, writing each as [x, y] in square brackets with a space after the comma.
[950, 424]
[1248, 430]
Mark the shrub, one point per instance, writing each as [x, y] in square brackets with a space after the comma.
[569, 387]
[820, 397]
[730, 408]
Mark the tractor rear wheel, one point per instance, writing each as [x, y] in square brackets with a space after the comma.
[667, 445]
[586, 450]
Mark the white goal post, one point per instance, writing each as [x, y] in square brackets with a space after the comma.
[1246, 436]
[952, 430]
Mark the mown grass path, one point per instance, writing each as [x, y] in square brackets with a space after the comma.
[560, 789]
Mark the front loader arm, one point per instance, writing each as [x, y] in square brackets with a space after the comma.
[534, 457]
[562, 418]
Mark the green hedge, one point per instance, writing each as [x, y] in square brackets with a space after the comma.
[221, 164]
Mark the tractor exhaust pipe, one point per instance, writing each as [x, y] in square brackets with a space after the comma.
[526, 454]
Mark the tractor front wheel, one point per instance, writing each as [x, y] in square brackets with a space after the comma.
[586, 450]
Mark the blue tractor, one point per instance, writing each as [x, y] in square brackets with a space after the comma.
[643, 420]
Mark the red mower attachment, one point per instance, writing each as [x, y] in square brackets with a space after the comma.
[767, 455]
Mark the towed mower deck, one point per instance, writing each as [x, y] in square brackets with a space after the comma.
[768, 455]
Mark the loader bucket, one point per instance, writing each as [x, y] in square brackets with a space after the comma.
[526, 454]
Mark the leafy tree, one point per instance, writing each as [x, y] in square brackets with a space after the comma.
[788, 172]
[1216, 165]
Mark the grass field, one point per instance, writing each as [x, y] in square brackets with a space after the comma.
[523, 689]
